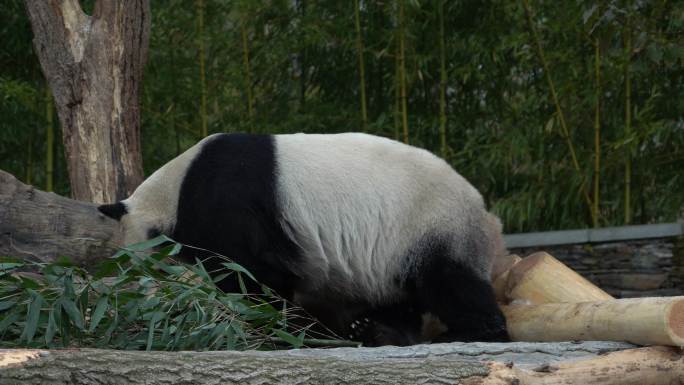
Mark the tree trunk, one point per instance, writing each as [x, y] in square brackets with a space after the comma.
[442, 363]
[94, 65]
[42, 226]
[49, 142]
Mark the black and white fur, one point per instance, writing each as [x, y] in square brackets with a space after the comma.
[374, 237]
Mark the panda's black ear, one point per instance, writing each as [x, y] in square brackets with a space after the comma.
[114, 210]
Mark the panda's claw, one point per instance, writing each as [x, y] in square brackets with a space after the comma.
[362, 329]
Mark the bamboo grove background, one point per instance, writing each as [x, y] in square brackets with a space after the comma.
[564, 114]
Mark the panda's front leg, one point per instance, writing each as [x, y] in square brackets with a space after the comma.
[370, 332]
[396, 324]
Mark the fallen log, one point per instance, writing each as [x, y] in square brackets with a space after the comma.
[541, 278]
[475, 363]
[643, 321]
[42, 226]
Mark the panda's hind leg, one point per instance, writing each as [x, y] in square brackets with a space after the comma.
[463, 301]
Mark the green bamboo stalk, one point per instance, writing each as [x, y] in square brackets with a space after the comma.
[311, 342]
[628, 122]
[203, 80]
[442, 81]
[362, 70]
[50, 141]
[29, 158]
[402, 71]
[397, 93]
[559, 110]
[302, 63]
[248, 75]
[172, 109]
[597, 134]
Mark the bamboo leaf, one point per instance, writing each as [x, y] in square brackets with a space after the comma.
[72, 311]
[29, 283]
[51, 327]
[548, 128]
[4, 305]
[149, 244]
[32, 316]
[289, 338]
[238, 268]
[156, 317]
[100, 309]
[10, 265]
[9, 319]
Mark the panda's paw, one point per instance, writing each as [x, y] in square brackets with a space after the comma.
[371, 332]
[360, 329]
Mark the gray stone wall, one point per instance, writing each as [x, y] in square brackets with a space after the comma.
[643, 268]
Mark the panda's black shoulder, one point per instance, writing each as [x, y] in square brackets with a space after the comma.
[229, 183]
[238, 145]
[228, 204]
[247, 159]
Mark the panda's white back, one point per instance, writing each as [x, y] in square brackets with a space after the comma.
[356, 204]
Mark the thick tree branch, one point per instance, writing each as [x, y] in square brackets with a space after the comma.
[42, 226]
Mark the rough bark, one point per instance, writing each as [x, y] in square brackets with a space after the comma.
[94, 66]
[442, 363]
[42, 226]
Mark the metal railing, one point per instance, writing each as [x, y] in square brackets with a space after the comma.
[605, 234]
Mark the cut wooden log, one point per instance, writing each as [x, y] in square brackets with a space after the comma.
[43, 226]
[503, 264]
[500, 273]
[484, 364]
[643, 321]
[541, 278]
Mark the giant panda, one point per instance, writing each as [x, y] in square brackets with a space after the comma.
[375, 238]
